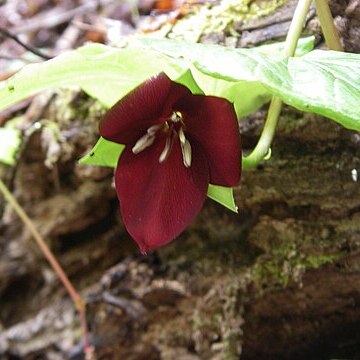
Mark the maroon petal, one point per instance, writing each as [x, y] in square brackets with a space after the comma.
[213, 123]
[159, 200]
[148, 104]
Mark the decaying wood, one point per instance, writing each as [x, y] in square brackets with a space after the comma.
[308, 204]
[252, 283]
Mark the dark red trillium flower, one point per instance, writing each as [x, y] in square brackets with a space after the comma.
[176, 144]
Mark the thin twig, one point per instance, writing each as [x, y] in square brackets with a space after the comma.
[8, 34]
[75, 296]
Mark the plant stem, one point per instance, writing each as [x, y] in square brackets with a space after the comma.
[327, 25]
[76, 298]
[262, 148]
[296, 27]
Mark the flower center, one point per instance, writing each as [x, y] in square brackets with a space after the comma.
[174, 126]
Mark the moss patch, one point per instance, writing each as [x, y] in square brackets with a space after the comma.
[220, 18]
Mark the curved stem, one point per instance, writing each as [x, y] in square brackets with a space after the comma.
[263, 146]
[75, 296]
[296, 27]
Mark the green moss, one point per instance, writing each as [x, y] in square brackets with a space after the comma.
[286, 264]
[314, 261]
[221, 18]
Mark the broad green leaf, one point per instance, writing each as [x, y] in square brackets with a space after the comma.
[108, 73]
[223, 195]
[104, 153]
[246, 96]
[174, 48]
[323, 82]
[276, 49]
[336, 92]
[10, 140]
[187, 79]
[103, 72]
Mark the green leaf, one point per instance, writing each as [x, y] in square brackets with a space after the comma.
[336, 93]
[104, 153]
[10, 140]
[108, 74]
[276, 49]
[175, 48]
[223, 195]
[105, 73]
[246, 96]
[187, 79]
[323, 82]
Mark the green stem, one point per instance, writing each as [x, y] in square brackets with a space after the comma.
[296, 27]
[327, 25]
[263, 146]
[76, 298]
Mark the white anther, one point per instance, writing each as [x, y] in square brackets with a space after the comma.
[143, 143]
[167, 149]
[182, 136]
[186, 152]
[153, 129]
[176, 116]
